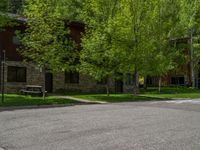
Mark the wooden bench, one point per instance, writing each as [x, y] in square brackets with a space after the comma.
[33, 90]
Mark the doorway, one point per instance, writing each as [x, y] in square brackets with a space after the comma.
[49, 82]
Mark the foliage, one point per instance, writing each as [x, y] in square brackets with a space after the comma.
[4, 9]
[47, 40]
[97, 57]
[121, 37]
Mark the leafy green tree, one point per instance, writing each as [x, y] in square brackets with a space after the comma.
[98, 58]
[166, 27]
[133, 36]
[4, 9]
[46, 41]
[190, 25]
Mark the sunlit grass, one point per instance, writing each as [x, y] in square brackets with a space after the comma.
[19, 100]
[148, 95]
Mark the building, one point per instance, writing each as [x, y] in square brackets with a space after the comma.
[19, 73]
[182, 75]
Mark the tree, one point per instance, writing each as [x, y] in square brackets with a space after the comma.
[165, 28]
[133, 36]
[98, 58]
[46, 41]
[4, 9]
[136, 30]
[190, 22]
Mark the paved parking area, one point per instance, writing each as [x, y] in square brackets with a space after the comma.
[168, 125]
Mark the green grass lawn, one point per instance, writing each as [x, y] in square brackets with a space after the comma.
[19, 100]
[149, 95]
[115, 97]
[172, 92]
[167, 93]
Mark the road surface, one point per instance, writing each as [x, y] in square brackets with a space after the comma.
[168, 125]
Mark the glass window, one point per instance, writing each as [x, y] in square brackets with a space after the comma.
[16, 74]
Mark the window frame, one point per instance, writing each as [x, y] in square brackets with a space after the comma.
[16, 72]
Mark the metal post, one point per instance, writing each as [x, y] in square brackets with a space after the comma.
[3, 73]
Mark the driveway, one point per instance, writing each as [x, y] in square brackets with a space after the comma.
[168, 125]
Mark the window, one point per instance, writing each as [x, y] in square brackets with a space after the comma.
[129, 79]
[71, 77]
[178, 80]
[16, 74]
[102, 81]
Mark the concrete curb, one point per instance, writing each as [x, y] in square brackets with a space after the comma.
[35, 107]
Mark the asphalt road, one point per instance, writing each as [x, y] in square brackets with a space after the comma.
[170, 125]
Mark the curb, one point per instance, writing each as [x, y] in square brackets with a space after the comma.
[34, 107]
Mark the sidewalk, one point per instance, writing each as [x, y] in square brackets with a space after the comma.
[82, 100]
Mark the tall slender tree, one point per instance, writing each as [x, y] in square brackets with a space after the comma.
[97, 56]
[190, 22]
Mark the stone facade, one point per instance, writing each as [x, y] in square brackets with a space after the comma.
[34, 76]
[86, 84]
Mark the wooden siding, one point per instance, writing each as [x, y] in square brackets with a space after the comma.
[6, 39]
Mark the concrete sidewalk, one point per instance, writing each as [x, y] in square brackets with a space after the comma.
[82, 100]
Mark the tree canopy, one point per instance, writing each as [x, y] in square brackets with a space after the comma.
[121, 37]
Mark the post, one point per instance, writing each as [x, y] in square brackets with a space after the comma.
[3, 73]
[44, 83]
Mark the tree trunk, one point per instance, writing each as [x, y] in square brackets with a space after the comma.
[192, 59]
[107, 89]
[145, 83]
[135, 84]
[177, 82]
[44, 85]
[197, 81]
[160, 81]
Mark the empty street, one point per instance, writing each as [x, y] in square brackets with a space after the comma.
[166, 125]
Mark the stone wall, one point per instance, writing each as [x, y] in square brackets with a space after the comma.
[128, 88]
[86, 84]
[33, 76]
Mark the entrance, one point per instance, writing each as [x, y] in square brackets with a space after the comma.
[49, 82]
